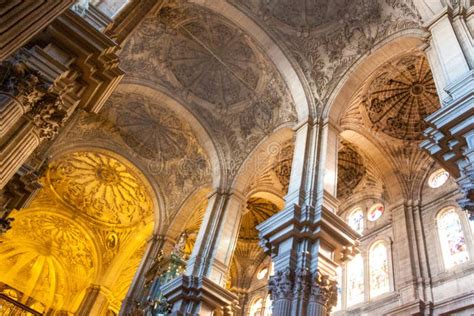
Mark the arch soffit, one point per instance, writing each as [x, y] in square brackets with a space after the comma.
[257, 160]
[392, 47]
[204, 138]
[271, 49]
[186, 211]
[151, 186]
[375, 154]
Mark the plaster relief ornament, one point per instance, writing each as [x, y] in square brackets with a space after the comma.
[258, 210]
[214, 69]
[326, 38]
[401, 96]
[100, 187]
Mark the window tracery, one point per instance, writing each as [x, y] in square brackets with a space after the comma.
[451, 236]
[256, 307]
[379, 272]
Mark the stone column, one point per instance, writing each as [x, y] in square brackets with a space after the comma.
[307, 239]
[21, 20]
[450, 137]
[137, 293]
[95, 301]
[200, 291]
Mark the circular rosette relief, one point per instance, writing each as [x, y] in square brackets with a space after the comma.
[214, 61]
[100, 187]
[402, 94]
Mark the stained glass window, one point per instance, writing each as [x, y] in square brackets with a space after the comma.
[438, 178]
[453, 244]
[375, 212]
[355, 280]
[356, 220]
[378, 265]
[256, 308]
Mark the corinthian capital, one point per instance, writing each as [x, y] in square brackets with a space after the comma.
[48, 115]
[21, 83]
[324, 290]
[281, 285]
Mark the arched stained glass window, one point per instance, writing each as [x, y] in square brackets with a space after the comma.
[356, 220]
[378, 267]
[355, 280]
[453, 243]
[256, 307]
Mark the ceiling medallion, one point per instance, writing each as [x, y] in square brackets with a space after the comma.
[214, 61]
[152, 130]
[100, 187]
[402, 94]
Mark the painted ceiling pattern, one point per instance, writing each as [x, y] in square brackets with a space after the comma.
[216, 71]
[402, 94]
[258, 210]
[326, 37]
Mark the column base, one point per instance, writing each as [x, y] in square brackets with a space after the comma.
[193, 296]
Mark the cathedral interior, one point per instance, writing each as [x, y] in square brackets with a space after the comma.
[236, 157]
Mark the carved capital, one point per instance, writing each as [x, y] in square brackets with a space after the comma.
[281, 285]
[49, 115]
[20, 82]
[302, 285]
[324, 290]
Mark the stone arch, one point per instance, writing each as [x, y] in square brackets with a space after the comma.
[57, 228]
[261, 158]
[392, 47]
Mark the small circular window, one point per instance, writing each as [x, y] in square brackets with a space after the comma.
[375, 212]
[262, 273]
[438, 178]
